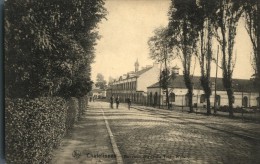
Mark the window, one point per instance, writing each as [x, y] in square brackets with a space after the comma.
[202, 98]
[172, 97]
[245, 101]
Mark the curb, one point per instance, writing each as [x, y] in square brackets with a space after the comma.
[119, 158]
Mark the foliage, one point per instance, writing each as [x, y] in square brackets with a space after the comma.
[228, 15]
[164, 79]
[252, 19]
[48, 43]
[101, 82]
[83, 102]
[72, 113]
[33, 128]
[206, 10]
[159, 46]
[183, 32]
[160, 51]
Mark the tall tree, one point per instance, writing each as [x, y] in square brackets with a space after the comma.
[252, 19]
[161, 52]
[205, 19]
[183, 32]
[228, 15]
[100, 81]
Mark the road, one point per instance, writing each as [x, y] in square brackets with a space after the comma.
[149, 135]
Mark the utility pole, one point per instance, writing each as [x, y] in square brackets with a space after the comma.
[215, 99]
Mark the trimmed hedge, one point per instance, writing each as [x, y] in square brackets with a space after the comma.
[33, 128]
[72, 113]
[83, 103]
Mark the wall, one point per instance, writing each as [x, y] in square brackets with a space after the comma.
[180, 98]
[148, 78]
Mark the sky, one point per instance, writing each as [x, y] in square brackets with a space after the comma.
[127, 29]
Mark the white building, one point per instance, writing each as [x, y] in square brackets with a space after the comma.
[244, 93]
[134, 84]
[97, 93]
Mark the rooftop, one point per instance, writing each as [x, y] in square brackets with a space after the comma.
[238, 84]
[134, 74]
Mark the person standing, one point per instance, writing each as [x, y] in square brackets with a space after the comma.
[129, 103]
[112, 102]
[117, 102]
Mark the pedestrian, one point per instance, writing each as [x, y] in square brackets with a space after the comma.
[129, 103]
[112, 102]
[117, 102]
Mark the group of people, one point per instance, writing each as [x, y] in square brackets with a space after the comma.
[117, 101]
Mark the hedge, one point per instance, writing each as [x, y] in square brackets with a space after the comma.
[83, 102]
[72, 113]
[33, 128]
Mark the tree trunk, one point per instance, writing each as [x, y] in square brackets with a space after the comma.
[167, 98]
[208, 106]
[230, 102]
[190, 95]
[167, 95]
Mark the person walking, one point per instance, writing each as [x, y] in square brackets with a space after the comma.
[129, 103]
[112, 102]
[117, 102]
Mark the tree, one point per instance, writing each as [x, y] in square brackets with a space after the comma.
[183, 32]
[205, 19]
[160, 51]
[252, 19]
[228, 15]
[47, 43]
[101, 82]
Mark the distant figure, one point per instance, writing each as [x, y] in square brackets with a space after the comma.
[117, 102]
[112, 101]
[129, 103]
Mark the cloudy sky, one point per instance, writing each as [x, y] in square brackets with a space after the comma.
[127, 29]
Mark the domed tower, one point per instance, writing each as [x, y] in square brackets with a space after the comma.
[136, 65]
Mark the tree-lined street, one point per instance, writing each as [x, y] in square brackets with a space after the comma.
[149, 135]
[52, 109]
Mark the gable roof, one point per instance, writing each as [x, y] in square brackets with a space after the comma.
[138, 73]
[238, 84]
[130, 75]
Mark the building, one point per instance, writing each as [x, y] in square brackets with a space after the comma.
[244, 93]
[97, 93]
[134, 84]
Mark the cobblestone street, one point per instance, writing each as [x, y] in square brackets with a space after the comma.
[149, 135]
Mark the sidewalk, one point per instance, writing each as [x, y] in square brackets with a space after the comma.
[88, 142]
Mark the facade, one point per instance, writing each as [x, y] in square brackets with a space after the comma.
[134, 84]
[97, 93]
[244, 93]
